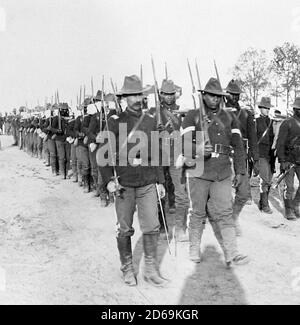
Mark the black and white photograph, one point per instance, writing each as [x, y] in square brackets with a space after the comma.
[149, 155]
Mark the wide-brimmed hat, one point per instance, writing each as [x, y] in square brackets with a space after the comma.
[132, 86]
[233, 87]
[265, 102]
[213, 87]
[296, 103]
[168, 87]
[98, 95]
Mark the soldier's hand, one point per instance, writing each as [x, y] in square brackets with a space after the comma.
[256, 168]
[161, 191]
[206, 150]
[285, 165]
[237, 181]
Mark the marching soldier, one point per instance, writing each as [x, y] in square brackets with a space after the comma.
[265, 138]
[172, 122]
[288, 152]
[136, 184]
[246, 123]
[210, 189]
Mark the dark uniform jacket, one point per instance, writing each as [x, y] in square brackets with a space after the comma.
[81, 126]
[60, 134]
[288, 142]
[223, 129]
[138, 175]
[246, 122]
[265, 139]
[70, 132]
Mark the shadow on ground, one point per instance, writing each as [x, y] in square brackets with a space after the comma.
[212, 283]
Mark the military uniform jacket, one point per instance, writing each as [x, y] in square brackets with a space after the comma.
[81, 126]
[266, 139]
[246, 122]
[138, 175]
[70, 132]
[55, 128]
[223, 129]
[289, 135]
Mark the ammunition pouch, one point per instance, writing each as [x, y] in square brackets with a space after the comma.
[221, 149]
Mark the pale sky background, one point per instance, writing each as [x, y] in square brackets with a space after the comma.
[59, 44]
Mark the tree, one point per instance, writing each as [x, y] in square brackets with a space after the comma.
[252, 71]
[286, 65]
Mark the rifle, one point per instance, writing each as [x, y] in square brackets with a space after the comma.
[218, 77]
[157, 99]
[166, 71]
[203, 119]
[118, 106]
[115, 178]
[282, 176]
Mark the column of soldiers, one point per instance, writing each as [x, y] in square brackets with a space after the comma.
[236, 145]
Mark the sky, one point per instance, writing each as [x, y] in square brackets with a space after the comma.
[47, 45]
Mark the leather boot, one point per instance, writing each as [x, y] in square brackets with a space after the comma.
[96, 186]
[232, 256]
[195, 235]
[264, 203]
[125, 251]
[296, 204]
[86, 184]
[151, 274]
[289, 213]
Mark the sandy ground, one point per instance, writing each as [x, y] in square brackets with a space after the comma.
[57, 246]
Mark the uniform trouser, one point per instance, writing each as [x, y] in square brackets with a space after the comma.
[15, 134]
[145, 198]
[288, 192]
[35, 143]
[212, 197]
[181, 197]
[46, 151]
[170, 188]
[63, 153]
[83, 162]
[30, 142]
[73, 159]
[265, 175]
[53, 154]
[94, 166]
[39, 146]
[242, 194]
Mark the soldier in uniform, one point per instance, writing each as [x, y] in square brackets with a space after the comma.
[265, 138]
[246, 123]
[138, 181]
[83, 162]
[210, 189]
[172, 122]
[288, 152]
[58, 129]
[51, 142]
[70, 133]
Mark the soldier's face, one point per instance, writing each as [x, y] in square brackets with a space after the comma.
[297, 112]
[134, 102]
[264, 111]
[212, 101]
[169, 99]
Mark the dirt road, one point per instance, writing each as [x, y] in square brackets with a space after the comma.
[57, 246]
